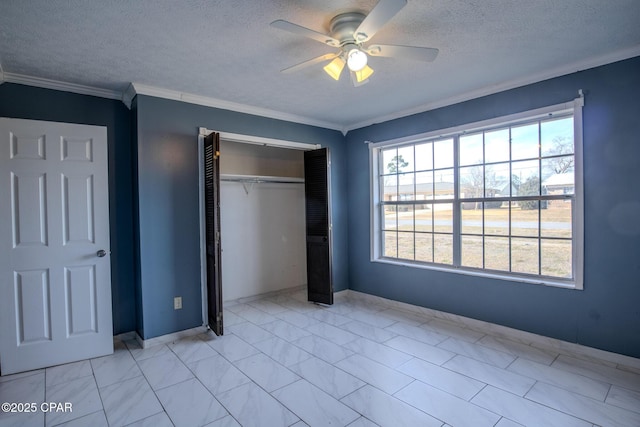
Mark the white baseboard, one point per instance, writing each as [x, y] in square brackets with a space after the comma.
[563, 347]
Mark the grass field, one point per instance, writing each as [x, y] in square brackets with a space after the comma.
[530, 245]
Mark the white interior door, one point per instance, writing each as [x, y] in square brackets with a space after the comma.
[55, 278]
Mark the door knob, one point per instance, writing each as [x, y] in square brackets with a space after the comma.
[101, 253]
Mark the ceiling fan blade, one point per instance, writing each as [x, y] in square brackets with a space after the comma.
[425, 54]
[310, 62]
[306, 32]
[379, 15]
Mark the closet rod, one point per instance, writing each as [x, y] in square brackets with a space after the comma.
[260, 180]
[248, 181]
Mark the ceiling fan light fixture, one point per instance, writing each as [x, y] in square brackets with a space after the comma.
[348, 31]
[356, 59]
[363, 74]
[334, 68]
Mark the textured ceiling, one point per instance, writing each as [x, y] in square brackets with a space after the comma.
[226, 50]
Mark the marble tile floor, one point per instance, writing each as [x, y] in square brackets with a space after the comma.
[286, 362]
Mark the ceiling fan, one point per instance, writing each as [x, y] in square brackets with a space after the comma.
[349, 32]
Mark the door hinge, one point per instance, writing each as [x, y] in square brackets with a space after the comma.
[215, 156]
[219, 318]
[218, 236]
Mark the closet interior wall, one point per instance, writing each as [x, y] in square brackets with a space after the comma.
[262, 223]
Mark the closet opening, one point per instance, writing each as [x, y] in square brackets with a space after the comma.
[263, 220]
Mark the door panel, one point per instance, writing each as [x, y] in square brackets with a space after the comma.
[318, 218]
[29, 210]
[56, 290]
[212, 232]
[27, 147]
[80, 293]
[77, 215]
[32, 293]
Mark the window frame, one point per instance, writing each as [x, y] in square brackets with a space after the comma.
[573, 107]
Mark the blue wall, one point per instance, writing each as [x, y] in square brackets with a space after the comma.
[606, 314]
[167, 210]
[153, 175]
[26, 102]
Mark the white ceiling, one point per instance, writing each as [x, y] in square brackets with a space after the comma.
[226, 51]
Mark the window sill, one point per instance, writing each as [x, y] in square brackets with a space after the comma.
[468, 272]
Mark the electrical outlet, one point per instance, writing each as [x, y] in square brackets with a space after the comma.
[177, 303]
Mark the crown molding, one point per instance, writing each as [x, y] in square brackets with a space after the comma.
[128, 95]
[142, 89]
[575, 67]
[62, 86]
[138, 88]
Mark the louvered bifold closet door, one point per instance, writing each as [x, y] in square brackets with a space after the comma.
[212, 215]
[318, 220]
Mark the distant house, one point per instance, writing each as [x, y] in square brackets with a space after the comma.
[559, 183]
[444, 189]
[501, 187]
[421, 191]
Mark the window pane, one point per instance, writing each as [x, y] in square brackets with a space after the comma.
[471, 182]
[471, 217]
[524, 142]
[471, 150]
[443, 184]
[528, 176]
[471, 251]
[406, 189]
[405, 246]
[405, 218]
[496, 146]
[443, 248]
[497, 180]
[558, 174]
[555, 220]
[390, 217]
[496, 253]
[496, 219]
[443, 154]
[443, 217]
[556, 258]
[389, 161]
[389, 185]
[424, 186]
[524, 255]
[424, 217]
[524, 219]
[424, 247]
[424, 156]
[390, 244]
[556, 136]
[405, 159]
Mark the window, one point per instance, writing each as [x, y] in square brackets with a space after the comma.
[501, 198]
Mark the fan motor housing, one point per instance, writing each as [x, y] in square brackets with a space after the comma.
[344, 25]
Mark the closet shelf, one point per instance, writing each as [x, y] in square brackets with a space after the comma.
[257, 179]
[248, 181]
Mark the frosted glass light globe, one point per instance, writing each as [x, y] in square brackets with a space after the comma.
[356, 60]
